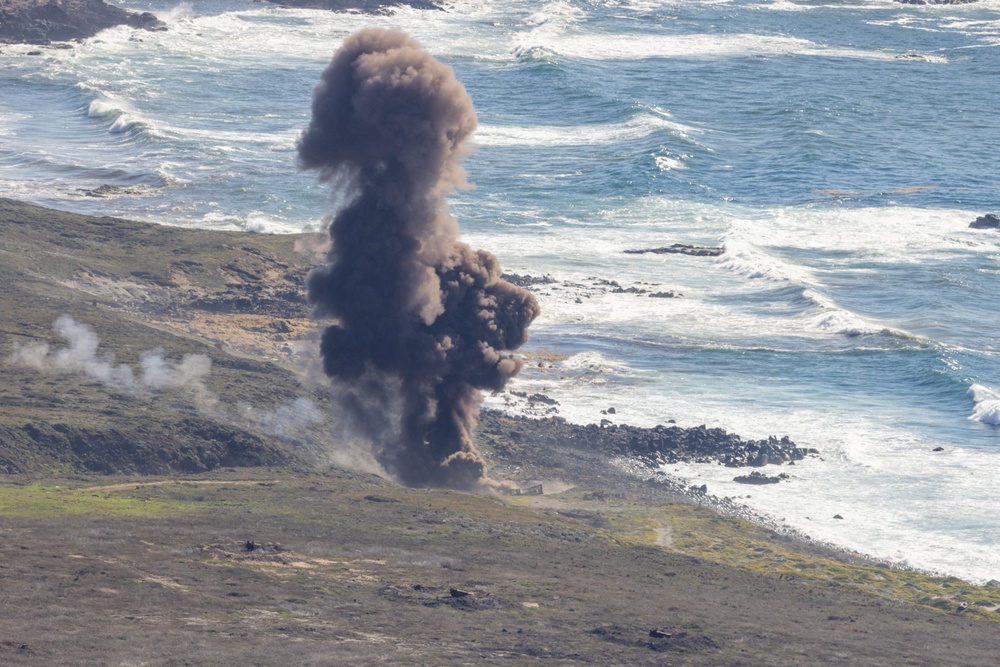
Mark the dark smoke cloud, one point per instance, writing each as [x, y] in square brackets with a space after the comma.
[423, 321]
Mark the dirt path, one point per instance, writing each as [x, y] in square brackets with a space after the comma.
[136, 485]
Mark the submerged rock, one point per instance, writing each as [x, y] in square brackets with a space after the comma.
[759, 478]
[680, 249]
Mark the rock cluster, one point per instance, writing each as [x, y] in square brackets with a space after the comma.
[654, 446]
[681, 249]
[758, 478]
[366, 6]
[44, 21]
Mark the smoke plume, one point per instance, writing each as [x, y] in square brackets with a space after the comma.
[423, 321]
[81, 356]
[291, 419]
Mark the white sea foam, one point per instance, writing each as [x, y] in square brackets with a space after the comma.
[642, 46]
[882, 482]
[637, 127]
[669, 164]
[900, 500]
[832, 318]
[746, 254]
[987, 408]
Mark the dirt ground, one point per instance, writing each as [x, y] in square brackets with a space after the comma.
[347, 569]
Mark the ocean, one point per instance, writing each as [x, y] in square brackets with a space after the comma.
[837, 151]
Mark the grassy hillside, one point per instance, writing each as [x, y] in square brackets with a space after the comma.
[235, 298]
[241, 544]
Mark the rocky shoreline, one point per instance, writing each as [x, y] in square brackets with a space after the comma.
[46, 21]
[653, 447]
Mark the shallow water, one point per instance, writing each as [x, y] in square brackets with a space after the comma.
[837, 151]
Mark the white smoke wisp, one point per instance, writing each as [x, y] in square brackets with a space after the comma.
[80, 355]
[189, 373]
[290, 418]
[187, 376]
[32, 355]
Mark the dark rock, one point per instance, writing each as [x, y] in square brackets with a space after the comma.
[106, 190]
[656, 640]
[837, 516]
[758, 478]
[526, 280]
[41, 21]
[681, 249]
[366, 6]
[542, 398]
[938, 449]
[988, 221]
[653, 446]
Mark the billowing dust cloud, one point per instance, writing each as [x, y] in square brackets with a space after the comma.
[423, 321]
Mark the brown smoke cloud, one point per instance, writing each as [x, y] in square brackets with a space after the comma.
[423, 321]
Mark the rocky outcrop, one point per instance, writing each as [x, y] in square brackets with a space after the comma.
[366, 6]
[653, 446]
[988, 221]
[680, 249]
[44, 21]
[758, 478]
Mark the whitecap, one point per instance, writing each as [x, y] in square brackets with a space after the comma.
[987, 407]
[668, 164]
[636, 127]
[832, 318]
[595, 46]
[746, 258]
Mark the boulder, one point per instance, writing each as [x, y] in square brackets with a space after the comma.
[988, 221]
[758, 478]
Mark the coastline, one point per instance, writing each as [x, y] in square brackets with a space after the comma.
[218, 293]
[44, 22]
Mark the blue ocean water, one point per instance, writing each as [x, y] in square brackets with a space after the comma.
[837, 150]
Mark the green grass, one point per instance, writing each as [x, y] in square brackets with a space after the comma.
[42, 501]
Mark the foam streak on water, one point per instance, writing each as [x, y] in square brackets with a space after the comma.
[836, 151]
